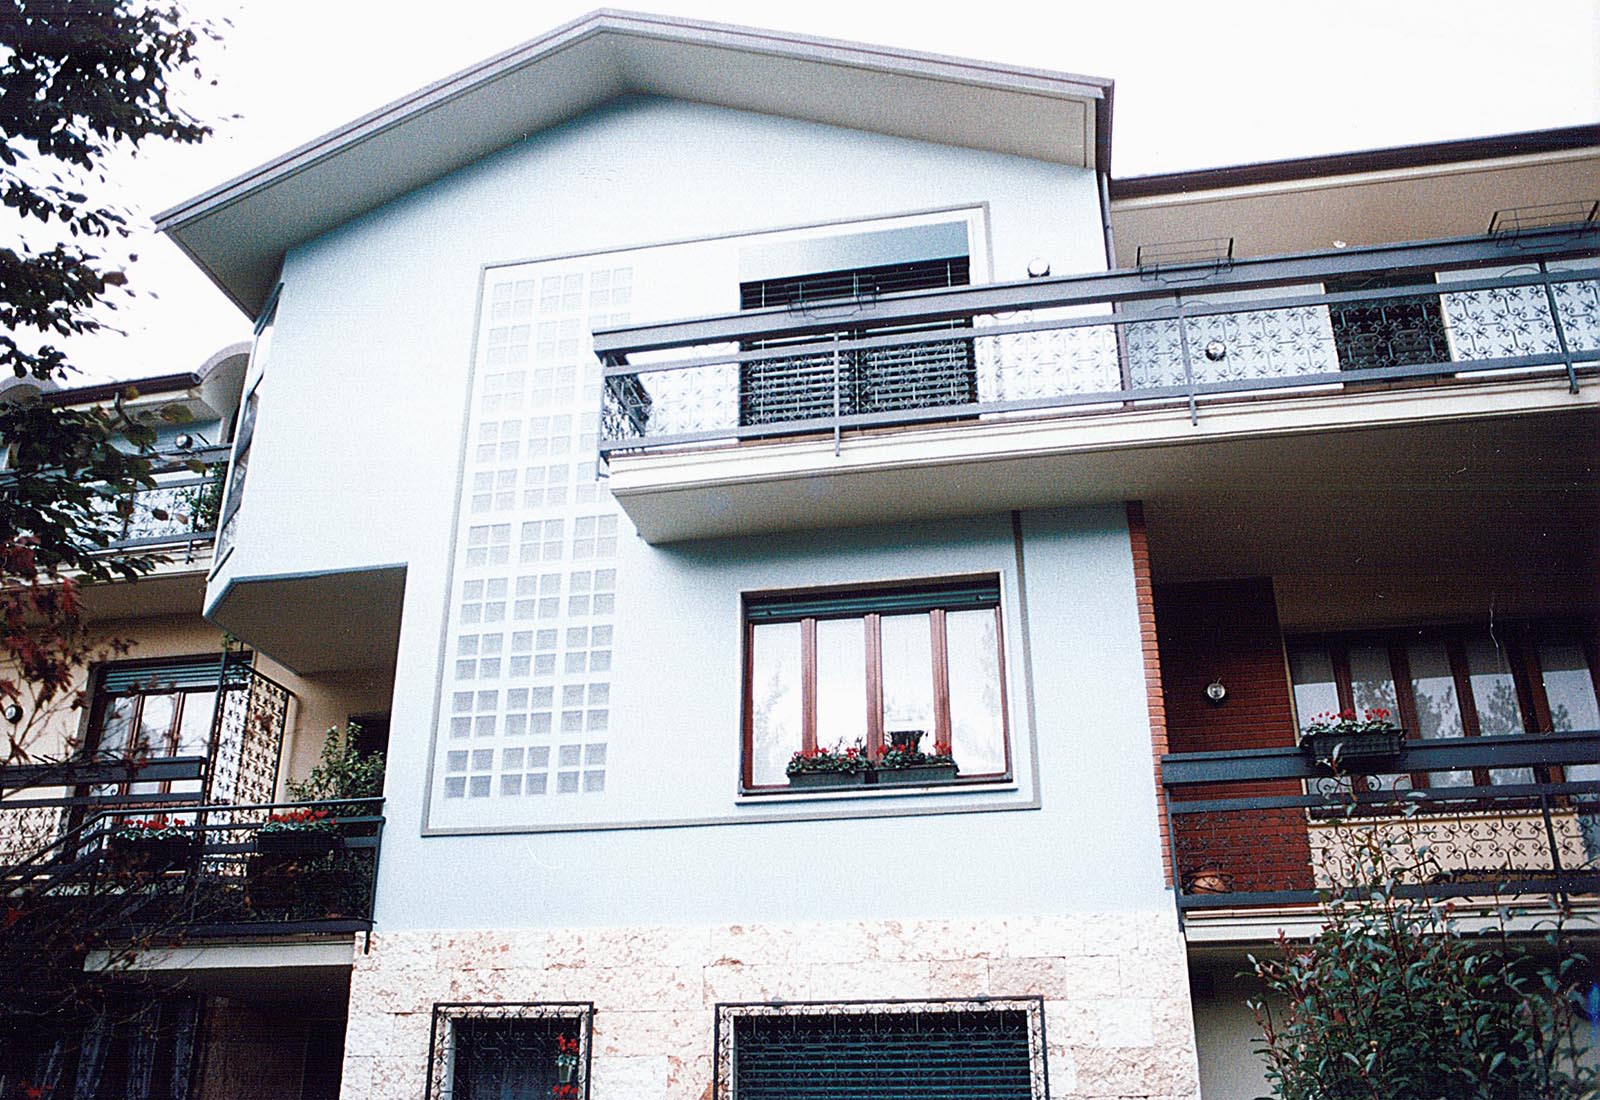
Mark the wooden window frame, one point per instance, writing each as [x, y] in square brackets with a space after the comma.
[872, 622]
[102, 698]
[1521, 640]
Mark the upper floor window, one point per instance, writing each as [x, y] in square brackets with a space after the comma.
[1465, 681]
[856, 267]
[154, 709]
[866, 668]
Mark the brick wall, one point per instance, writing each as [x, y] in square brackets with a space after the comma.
[1139, 546]
[1228, 631]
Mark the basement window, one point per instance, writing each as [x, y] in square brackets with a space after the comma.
[509, 1051]
[933, 1050]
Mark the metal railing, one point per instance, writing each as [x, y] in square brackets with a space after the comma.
[180, 511]
[1487, 817]
[211, 871]
[40, 802]
[1175, 334]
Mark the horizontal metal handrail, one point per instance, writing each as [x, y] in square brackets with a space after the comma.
[1448, 754]
[74, 773]
[614, 344]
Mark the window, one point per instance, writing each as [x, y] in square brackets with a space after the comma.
[154, 709]
[982, 1050]
[835, 271]
[509, 1052]
[245, 434]
[1464, 681]
[855, 667]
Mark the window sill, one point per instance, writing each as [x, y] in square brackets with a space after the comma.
[846, 793]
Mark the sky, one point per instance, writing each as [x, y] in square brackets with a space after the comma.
[1199, 83]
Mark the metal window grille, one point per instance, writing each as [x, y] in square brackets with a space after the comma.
[927, 1050]
[883, 379]
[508, 1051]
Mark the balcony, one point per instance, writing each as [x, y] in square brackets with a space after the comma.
[212, 875]
[177, 515]
[1260, 838]
[41, 803]
[1099, 386]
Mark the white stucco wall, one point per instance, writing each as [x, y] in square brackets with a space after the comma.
[357, 462]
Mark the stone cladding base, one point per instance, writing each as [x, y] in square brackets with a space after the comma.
[1117, 1016]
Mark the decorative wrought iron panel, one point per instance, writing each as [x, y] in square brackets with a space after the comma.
[247, 739]
[510, 1051]
[909, 1050]
[1387, 332]
[888, 379]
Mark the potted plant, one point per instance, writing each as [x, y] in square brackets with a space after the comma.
[1342, 741]
[566, 1059]
[835, 767]
[150, 844]
[904, 763]
[297, 833]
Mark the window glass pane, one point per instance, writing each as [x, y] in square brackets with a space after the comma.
[1494, 693]
[115, 722]
[156, 721]
[774, 701]
[977, 726]
[1314, 687]
[841, 682]
[194, 731]
[907, 674]
[1438, 710]
[1372, 681]
[1569, 687]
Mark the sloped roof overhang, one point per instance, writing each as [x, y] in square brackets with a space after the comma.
[238, 232]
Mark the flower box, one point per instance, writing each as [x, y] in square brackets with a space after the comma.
[916, 775]
[809, 780]
[1352, 751]
[297, 842]
[149, 854]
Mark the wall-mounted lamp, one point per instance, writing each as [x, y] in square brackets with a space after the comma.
[184, 442]
[1216, 693]
[1038, 267]
[1216, 351]
[12, 712]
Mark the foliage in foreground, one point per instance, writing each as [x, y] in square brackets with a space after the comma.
[1391, 1002]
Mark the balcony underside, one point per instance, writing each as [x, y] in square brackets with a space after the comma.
[315, 622]
[1485, 435]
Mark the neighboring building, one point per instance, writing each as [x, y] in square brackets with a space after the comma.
[174, 722]
[658, 400]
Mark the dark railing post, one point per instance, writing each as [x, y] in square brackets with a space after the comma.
[1188, 363]
[837, 441]
[1561, 332]
[1541, 776]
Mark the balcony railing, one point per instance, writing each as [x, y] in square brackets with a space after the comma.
[41, 802]
[212, 873]
[1486, 818]
[1182, 334]
[180, 511]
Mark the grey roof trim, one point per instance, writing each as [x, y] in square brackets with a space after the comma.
[239, 229]
[639, 24]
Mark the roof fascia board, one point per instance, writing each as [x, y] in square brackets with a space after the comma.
[1431, 154]
[608, 22]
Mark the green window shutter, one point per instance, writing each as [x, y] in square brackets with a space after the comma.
[884, 1056]
[178, 674]
[955, 596]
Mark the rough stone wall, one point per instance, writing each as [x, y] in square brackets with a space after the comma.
[1117, 1015]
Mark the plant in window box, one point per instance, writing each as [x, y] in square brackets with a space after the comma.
[1342, 741]
[298, 833]
[835, 767]
[150, 845]
[292, 860]
[566, 1059]
[904, 763]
